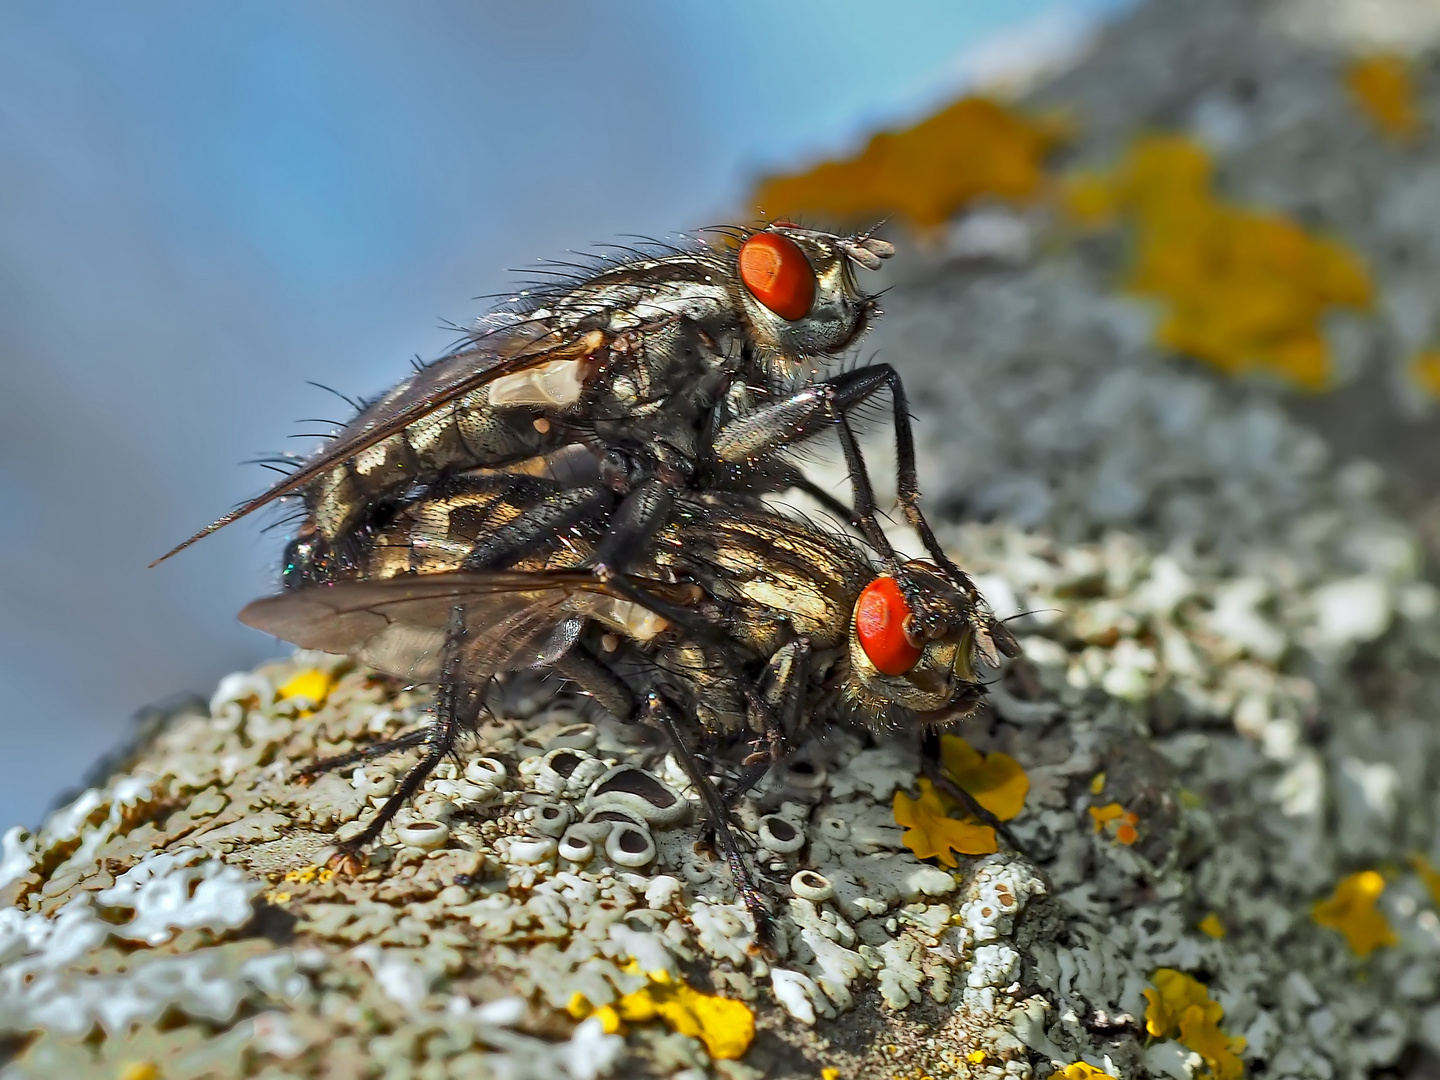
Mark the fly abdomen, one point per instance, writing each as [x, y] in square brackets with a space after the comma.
[454, 437]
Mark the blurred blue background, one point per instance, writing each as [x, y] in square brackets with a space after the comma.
[202, 206]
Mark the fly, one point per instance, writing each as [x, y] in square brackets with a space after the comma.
[773, 625]
[687, 369]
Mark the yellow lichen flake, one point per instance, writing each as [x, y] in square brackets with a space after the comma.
[829, 1073]
[1103, 815]
[312, 685]
[140, 1070]
[1425, 371]
[1428, 875]
[1180, 1008]
[1351, 910]
[1080, 1070]
[975, 1057]
[1097, 783]
[726, 1027]
[974, 148]
[308, 875]
[995, 781]
[931, 834]
[1212, 926]
[1114, 819]
[1245, 290]
[1382, 87]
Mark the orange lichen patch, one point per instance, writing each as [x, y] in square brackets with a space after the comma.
[1080, 1070]
[1382, 87]
[930, 834]
[974, 148]
[726, 1027]
[1180, 1008]
[1351, 910]
[996, 781]
[1120, 823]
[1242, 289]
[1425, 371]
[1212, 925]
[1428, 874]
[311, 685]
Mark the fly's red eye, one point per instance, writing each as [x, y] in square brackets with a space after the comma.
[880, 615]
[777, 274]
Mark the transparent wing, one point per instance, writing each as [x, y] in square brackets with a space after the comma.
[514, 349]
[512, 619]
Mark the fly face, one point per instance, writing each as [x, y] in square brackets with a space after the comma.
[798, 288]
[891, 673]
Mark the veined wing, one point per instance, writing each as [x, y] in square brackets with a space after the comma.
[417, 397]
[513, 619]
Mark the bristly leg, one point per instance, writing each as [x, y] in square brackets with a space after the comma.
[930, 766]
[365, 753]
[457, 710]
[662, 714]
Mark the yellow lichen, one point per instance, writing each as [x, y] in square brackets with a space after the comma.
[1428, 875]
[1212, 925]
[1425, 371]
[140, 1070]
[973, 148]
[1103, 815]
[1382, 87]
[829, 1073]
[995, 781]
[1180, 1008]
[1242, 289]
[1097, 783]
[1080, 1070]
[1351, 910]
[1121, 824]
[309, 874]
[726, 1027]
[311, 685]
[930, 834]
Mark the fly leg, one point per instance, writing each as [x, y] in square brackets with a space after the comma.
[786, 678]
[365, 753]
[662, 713]
[805, 413]
[457, 710]
[931, 767]
[538, 525]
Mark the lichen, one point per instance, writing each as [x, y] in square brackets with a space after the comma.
[1243, 289]
[931, 834]
[1382, 87]
[973, 148]
[1180, 1008]
[1351, 909]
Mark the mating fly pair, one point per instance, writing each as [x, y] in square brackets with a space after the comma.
[677, 380]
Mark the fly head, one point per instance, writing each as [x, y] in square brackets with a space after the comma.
[799, 292]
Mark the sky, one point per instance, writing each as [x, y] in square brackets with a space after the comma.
[205, 207]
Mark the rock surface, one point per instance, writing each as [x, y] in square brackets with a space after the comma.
[1225, 710]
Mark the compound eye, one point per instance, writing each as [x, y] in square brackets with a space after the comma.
[778, 274]
[880, 616]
